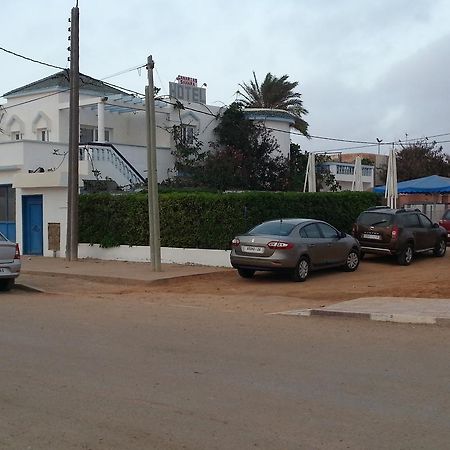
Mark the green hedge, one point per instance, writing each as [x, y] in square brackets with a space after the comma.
[208, 220]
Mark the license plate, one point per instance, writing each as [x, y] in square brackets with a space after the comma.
[4, 270]
[371, 236]
[252, 249]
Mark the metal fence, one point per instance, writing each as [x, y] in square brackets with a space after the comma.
[434, 211]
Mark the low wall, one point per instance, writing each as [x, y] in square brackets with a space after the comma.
[201, 257]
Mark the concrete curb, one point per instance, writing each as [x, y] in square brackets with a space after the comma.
[112, 279]
[378, 317]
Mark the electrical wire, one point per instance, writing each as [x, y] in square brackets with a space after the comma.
[209, 112]
[131, 69]
[31, 59]
[35, 99]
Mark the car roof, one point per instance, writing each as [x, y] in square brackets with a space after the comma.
[387, 210]
[292, 221]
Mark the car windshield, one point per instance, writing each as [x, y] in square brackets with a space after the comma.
[374, 218]
[447, 215]
[277, 228]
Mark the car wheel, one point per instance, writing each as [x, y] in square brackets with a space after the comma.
[440, 248]
[6, 284]
[352, 262]
[246, 273]
[405, 257]
[301, 270]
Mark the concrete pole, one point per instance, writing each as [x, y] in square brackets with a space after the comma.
[74, 137]
[152, 173]
[101, 121]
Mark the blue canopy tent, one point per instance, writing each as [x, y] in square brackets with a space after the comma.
[433, 184]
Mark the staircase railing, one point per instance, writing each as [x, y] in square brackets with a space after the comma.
[96, 151]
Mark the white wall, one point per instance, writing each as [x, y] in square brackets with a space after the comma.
[29, 113]
[215, 258]
[54, 208]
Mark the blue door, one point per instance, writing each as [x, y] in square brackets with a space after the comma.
[32, 224]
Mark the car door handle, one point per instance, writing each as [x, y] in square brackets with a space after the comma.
[311, 245]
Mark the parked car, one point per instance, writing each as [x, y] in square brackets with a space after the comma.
[398, 232]
[294, 245]
[9, 263]
[445, 222]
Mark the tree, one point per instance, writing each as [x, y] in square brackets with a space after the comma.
[421, 159]
[275, 93]
[246, 155]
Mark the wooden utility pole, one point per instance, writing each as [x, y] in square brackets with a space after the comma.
[74, 121]
[152, 173]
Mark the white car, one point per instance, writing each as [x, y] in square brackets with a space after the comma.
[9, 263]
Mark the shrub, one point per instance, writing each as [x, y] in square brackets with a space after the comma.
[208, 220]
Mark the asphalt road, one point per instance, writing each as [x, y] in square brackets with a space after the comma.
[155, 371]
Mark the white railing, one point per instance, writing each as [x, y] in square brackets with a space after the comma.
[344, 169]
[108, 155]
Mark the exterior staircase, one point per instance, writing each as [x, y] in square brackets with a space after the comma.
[105, 162]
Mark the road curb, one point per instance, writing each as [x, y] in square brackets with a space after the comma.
[377, 316]
[113, 279]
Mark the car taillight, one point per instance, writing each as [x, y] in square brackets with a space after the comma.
[17, 254]
[394, 232]
[280, 245]
[235, 242]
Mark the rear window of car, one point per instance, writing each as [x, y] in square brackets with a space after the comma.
[374, 218]
[274, 228]
[447, 215]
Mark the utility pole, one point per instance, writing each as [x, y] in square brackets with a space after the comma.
[74, 124]
[152, 173]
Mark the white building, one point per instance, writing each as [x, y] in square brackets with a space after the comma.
[34, 146]
[344, 174]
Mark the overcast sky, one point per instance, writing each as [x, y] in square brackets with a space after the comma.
[366, 69]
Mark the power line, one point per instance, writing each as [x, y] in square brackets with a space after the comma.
[31, 59]
[131, 69]
[209, 112]
[35, 99]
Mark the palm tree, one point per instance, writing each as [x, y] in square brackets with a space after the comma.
[275, 93]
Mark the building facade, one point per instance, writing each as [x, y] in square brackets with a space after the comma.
[34, 147]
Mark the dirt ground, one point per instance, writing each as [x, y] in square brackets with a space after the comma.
[426, 277]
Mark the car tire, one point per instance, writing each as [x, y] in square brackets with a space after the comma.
[441, 248]
[246, 273]
[302, 269]
[405, 257]
[6, 284]
[352, 261]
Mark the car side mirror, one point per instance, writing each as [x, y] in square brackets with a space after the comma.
[342, 235]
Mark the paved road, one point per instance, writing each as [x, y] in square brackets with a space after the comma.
[147, 371]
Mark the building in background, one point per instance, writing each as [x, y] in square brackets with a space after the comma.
[35, 138]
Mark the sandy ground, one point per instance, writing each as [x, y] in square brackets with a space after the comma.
[426, 277]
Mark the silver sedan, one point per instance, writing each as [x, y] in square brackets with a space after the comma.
[295, 245]
[9, 263]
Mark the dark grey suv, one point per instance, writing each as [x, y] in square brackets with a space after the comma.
[399, 232]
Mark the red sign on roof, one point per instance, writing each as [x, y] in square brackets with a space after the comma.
[186, 80]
